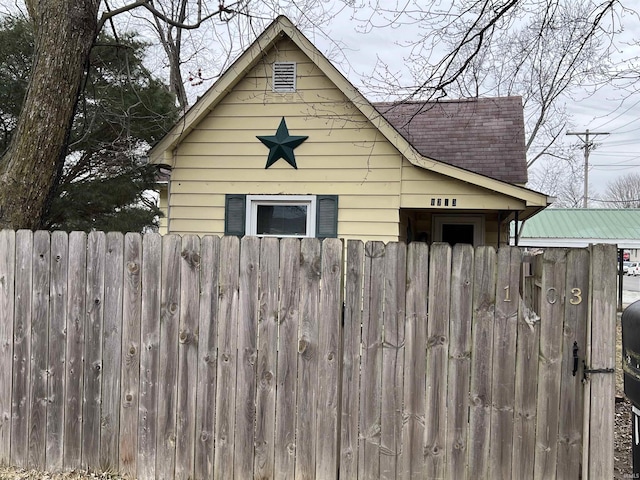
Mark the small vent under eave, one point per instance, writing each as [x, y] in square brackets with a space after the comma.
[284, 77]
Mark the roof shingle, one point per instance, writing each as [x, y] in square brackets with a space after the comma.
[483, 135]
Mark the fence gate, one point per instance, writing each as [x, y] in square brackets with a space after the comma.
[188, 357]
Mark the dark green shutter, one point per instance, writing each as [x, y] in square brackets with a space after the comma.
[327, 216]
[234, 214]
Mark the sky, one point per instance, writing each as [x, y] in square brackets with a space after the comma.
[609, 110]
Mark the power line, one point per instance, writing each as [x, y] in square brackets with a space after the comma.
[588, 145]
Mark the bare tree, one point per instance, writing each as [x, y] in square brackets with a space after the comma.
[541, 50]
[623, 192]
[65, 31]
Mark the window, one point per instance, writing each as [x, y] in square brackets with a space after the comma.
[282, 215]
[284, 77]
[459, 229]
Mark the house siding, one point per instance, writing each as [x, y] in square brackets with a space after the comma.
[345, 155]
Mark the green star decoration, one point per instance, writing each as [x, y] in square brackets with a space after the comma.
[281, 145]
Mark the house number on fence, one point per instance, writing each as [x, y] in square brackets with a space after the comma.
[552, 295]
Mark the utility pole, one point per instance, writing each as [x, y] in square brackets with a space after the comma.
[588, 145]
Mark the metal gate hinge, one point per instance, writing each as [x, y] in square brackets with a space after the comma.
[587, 371]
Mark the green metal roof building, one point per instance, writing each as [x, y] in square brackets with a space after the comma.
[577, 227]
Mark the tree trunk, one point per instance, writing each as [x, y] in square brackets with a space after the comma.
[65, 33]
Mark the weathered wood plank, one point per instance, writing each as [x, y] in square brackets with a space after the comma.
[484, 299]
[459, 369]
[39, 342]
[207, 356]
[7, 299]
[247, 355]
[149, 355]
[20, 396]
[267, 357]
[505, 329]
[411, 463]
[168, 357]
[571, 387]
[437, 360]
[603, 315]
[112, 351]
[130, 363]
[287, 369]
[227, 357]
[74, 368]
[188, 356]
[57, 342]
[526, 379]
[395, 261]
[308, 358]
[550, 362]
[92, 396]
[329, 336]
[351, 343]
[371, 361]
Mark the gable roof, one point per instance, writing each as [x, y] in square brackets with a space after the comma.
[576, 227]
[483, 135]
[163, 151]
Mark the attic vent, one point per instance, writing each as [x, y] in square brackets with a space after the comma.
[284, 77]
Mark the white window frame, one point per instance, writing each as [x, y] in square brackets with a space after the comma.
[251, 222]
[294, 85]
[476, 220]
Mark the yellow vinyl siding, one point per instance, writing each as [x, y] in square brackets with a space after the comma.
[345, 154]
[420, 186]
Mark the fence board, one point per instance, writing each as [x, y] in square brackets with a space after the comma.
[571, 387]
[395, 261]
[267, 357]
[371, 361]
[74, 366]
[7, 295]
[505, 329]
[287, 368]
[603, 314]
[459, 370]
[187, 356]
[329, 354]
[247, 355]
[550, 360]
[207, 356]
[484, 299]
[92, 396]
[112, 351]
[437, 360]
[57, 342]
[526, 379]
[20, 396]
[130, 363]
[351, 343]
[412, 456]
[149, 355]
[168, 353]
[227, 357]
[310, 271]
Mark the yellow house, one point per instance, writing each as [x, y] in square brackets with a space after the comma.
[283, 144]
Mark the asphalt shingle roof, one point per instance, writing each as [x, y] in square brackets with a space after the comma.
[483, 135]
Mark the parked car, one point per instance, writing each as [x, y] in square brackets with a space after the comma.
[633, 268]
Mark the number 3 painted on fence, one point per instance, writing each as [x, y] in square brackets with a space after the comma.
[577, 296]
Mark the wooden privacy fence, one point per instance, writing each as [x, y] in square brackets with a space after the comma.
[170, 357]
